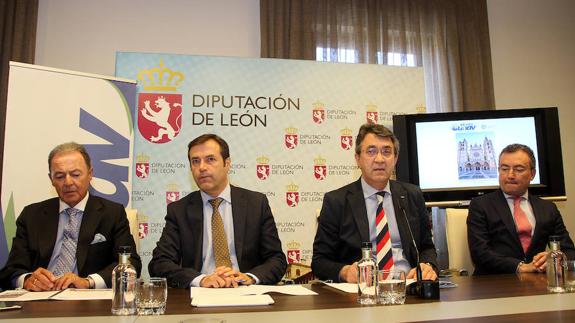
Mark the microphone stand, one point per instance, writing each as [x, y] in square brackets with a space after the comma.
[426, 289]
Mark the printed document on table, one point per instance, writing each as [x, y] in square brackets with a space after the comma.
[231, 300]
[296, 290]
[22, 295]
[72, 294]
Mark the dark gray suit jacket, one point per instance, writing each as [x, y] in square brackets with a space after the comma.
[493, 241]
[178, 253]
[343, 226]
[37, 227]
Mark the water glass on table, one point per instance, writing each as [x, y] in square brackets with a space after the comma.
[151, 296]
[570, 276]
[390, 287]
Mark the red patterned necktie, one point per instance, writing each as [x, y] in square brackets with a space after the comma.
[522, 224]
[383, 249]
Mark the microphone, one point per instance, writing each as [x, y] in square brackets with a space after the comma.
[427, 289]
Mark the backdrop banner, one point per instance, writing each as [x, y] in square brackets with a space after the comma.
[290, 125]
[47, 107]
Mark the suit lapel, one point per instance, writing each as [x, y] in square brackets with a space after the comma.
[195, 214]
[356, 202]
[507, 218]
[537, 213]
[239, 214]
[90, 219]
[47, 235]
[406, 243]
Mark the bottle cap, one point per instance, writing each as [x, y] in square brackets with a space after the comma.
[554, 238]
[366, 245]
[125, 250]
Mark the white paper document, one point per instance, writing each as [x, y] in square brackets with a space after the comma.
[296, 290]
[243, 296]
[232, 300]
[72, 294]
[22, 295]
[352, 287]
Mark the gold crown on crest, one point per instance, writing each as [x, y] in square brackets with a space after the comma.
[346, 132]
[263, 160]
[291, 130]
[371, 107]
[293, 245]
[292, 187]
[318, 105]
[319, 161]
[420, 109]
[142, 158]
[172, 187]
[160, 78]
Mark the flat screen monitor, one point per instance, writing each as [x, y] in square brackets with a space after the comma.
[454, 156]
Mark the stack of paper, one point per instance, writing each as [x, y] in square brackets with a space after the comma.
[243, 295]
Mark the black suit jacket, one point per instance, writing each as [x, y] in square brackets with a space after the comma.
[493, 241]
[36, 230]
[178, 253]
[343, 226]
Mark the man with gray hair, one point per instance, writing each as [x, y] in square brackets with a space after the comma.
[71, 240]
[507, 230]
[389, 214]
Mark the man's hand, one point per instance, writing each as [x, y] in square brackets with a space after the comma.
[222, 277]
[537, 265]
[427, 272]
[540, 261]
[244, 279]
[71, 280]
[348, 273]
[40, 280]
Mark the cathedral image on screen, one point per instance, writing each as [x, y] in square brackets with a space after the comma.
[476, 156]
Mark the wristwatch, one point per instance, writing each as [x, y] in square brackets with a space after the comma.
[91, 282]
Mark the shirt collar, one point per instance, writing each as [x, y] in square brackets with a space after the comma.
[525, 196]
[225, 194]
[369, 191]
[80, 206]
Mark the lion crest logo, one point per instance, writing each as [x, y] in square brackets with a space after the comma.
[159, 116]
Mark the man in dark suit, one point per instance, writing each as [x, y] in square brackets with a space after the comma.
[221, 235]
[374, 209]
[508, 229]
[72, 240]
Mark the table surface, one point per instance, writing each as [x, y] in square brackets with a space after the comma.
[488, 298]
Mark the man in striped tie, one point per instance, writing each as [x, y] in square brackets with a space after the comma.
[71, 240]
[389, 214]
[508, 229]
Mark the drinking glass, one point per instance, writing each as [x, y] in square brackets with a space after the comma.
[390, 287]
[570, 276]
[151, 296]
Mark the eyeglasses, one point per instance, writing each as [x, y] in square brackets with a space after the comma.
[373, 151]
[516, 170]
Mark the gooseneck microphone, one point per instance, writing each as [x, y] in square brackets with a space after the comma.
[427, 289]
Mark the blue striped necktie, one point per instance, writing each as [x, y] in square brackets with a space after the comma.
[67, 257]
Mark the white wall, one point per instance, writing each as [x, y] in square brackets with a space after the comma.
[533, 53]
[84, 35]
